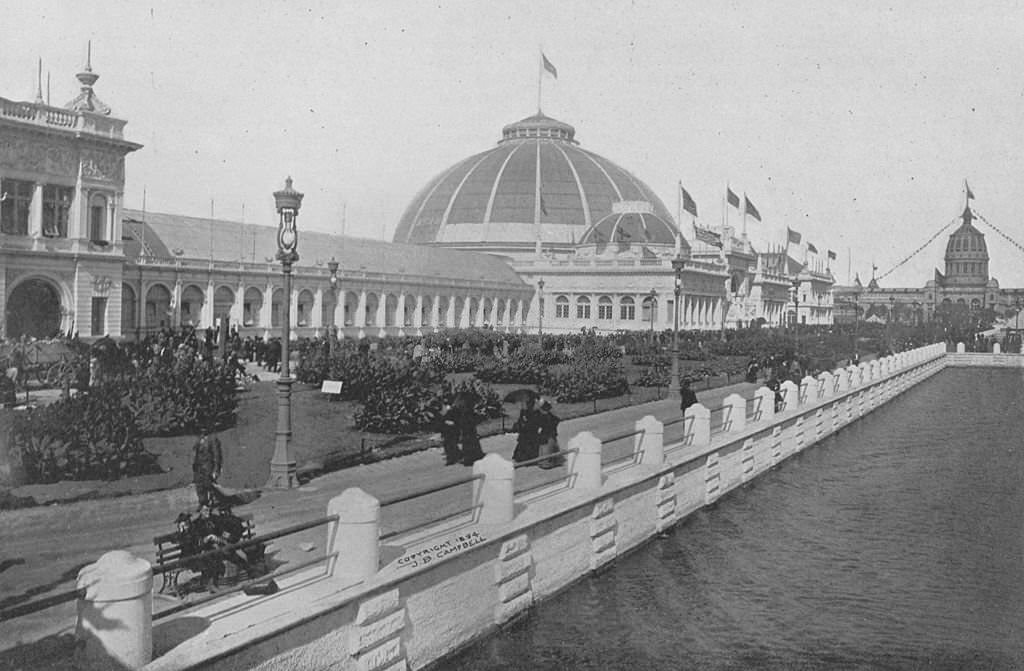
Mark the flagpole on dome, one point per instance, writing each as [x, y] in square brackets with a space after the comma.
[540, 76]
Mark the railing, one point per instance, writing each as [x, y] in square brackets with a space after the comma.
[418, 493]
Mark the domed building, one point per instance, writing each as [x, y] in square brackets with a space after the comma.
[964, 286]
[536, 187]
[591, 236]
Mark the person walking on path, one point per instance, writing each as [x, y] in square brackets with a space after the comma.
[450, 435]
[465, 422]
[207, 460]
[548, 422]
[528, 427]
[688, 396]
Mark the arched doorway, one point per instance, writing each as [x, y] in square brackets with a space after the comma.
[33, 309]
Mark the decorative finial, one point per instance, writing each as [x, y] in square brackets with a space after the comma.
[88, 56]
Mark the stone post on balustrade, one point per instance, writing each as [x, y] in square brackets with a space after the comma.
[494, 494]
[764, 404]
[115, 615]
[355, 538]
[649, 442]
[961, 348]
[827, 383]
[790, 395]
[735, 408]
[852, 377]
[698, 419]
[808, 390]
[842, 380]
[585, 461]
[997, 348]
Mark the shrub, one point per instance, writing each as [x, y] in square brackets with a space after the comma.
[182, 396]
[398, 396]
[524, 366]
[488, 403]
[586, 381]
[85, 437]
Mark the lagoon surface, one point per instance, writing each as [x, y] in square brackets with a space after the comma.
[898, 543]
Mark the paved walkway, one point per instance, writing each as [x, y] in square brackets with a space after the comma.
[41, 549]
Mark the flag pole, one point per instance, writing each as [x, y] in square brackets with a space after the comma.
[679, 208]
[540, 76]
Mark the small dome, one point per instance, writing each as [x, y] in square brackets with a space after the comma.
[630, 224]
[966, 242]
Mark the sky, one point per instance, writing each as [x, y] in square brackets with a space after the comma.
[855, 124]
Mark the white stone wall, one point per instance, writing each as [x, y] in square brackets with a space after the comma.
[461, 583]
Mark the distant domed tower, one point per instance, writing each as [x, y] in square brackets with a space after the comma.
[536, 186]
[966, 255]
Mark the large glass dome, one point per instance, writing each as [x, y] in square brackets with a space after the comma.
[536, 185]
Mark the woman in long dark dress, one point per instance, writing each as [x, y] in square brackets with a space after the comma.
[528, 427]
[465, 421]
[450, 435]
[548, 422]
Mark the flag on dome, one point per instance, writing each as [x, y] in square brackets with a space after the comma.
[732, 198]
[689, 205]
[811, 248]
[708, 237]
[749, 208]
[792, 237]
[970, 194]
[548, 66]
[831, 255]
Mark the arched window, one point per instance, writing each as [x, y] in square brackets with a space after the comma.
[582, 308]
[604, 307]
[650, 309]
[562, 307]
[627, 309]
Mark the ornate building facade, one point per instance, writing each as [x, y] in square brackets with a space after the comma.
[73, 260]
[536, 231]
[595, 235]
[964, 287]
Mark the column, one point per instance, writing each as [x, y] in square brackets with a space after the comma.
[238, 306]
[35, 212]
[400, 310]
[450, 319]
[359, 319]
[206, 316]
[176, 316]
[340, 296]
[435, 312]
[267, 309]
[318, 309]
[417, 316]
[464, 318]
[382, 310]
[293, 309]
[508, 315]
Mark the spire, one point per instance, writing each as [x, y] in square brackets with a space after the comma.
[968, 216]
[39, 84]
[86, 100]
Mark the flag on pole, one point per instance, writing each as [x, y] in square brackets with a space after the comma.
[689, 205]
[708, 237]
[548, 66]
[792, 237]
[748, 208]
[831, 255]
[732, 198]
[970, 194]
[811, 248]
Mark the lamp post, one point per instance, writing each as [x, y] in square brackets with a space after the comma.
[651, 297]
[332, 266]
[682, 255]
[796, 314]
[282, 464]
[540, 313]
[890, 327]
